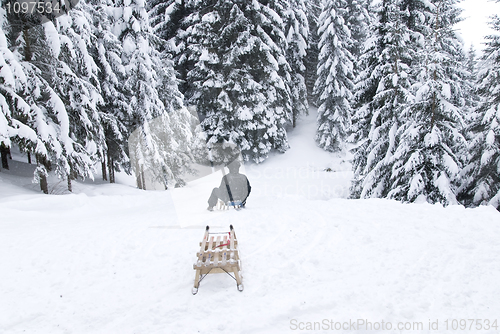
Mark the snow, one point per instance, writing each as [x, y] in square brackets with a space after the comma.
[127, 13]
[490, 137]
[5, 71]
[63, 118]
[24, 131]
[210, 17]
[115, 259]
[446, 90]
[129, 45]
[443, 184]
[5, 129]
[52, 38]
[450, 164]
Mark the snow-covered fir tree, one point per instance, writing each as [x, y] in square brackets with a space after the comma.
[31, 88]
[169, 20]
[418, 14]
[166, 17]
[78, 87]
[416, 17]
[15, 113]
[134, 32]
[178, 145]
[241, 76]
[472, 100]
[297, 31]
[160, 150]
[197, 43]
[153, 93]
[72, 98]
[314, 9]
[426, 162]
[358, 20]
[365, 86]
[471, 60]
[335, 76]
[373, 158]
[481, 176]
[57, 147]
[114, 109]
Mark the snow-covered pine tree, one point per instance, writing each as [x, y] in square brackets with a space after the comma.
[114, 109]
[426, 161]
[335, 77]
[358, 20]
[169, 20]
[167, 17]
[365, 86]
[418, 14]
[131, 26]
[162, 21]
[472, 98]
[72, 98]
[7, 89]
[297, 31]
[198, 43]
[241, 76]
[78, 86]
[38, 47]
[273, 34]
[15, 112]
[361, 17]
[471, 62]
[178, 146]
[314, 9]
[415, 17]
[31, 90]
[153, 93]
[481, 177]
[373, 158]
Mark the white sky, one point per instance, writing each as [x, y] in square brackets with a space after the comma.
[475, 25]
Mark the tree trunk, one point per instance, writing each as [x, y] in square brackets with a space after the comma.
[44, 186]
[70, 186]
[104, 173]
[143, 178]
[42, 173]
[29, 158]
[138, 179]
[4, 151]
[111, 170]
[28, 55]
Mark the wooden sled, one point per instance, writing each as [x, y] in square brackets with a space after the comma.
[218, 255]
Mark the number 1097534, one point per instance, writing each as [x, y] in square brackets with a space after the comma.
[471, 324]
[33, 7]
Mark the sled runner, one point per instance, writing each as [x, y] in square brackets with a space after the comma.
[237, 205]
[218, 254]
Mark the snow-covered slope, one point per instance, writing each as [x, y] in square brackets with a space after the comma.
[114, 259]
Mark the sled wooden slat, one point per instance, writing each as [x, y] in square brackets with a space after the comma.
[232, 240]
[217, 251]
[218, 255]
[224, 251]
[209, 253]
[200, 255]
